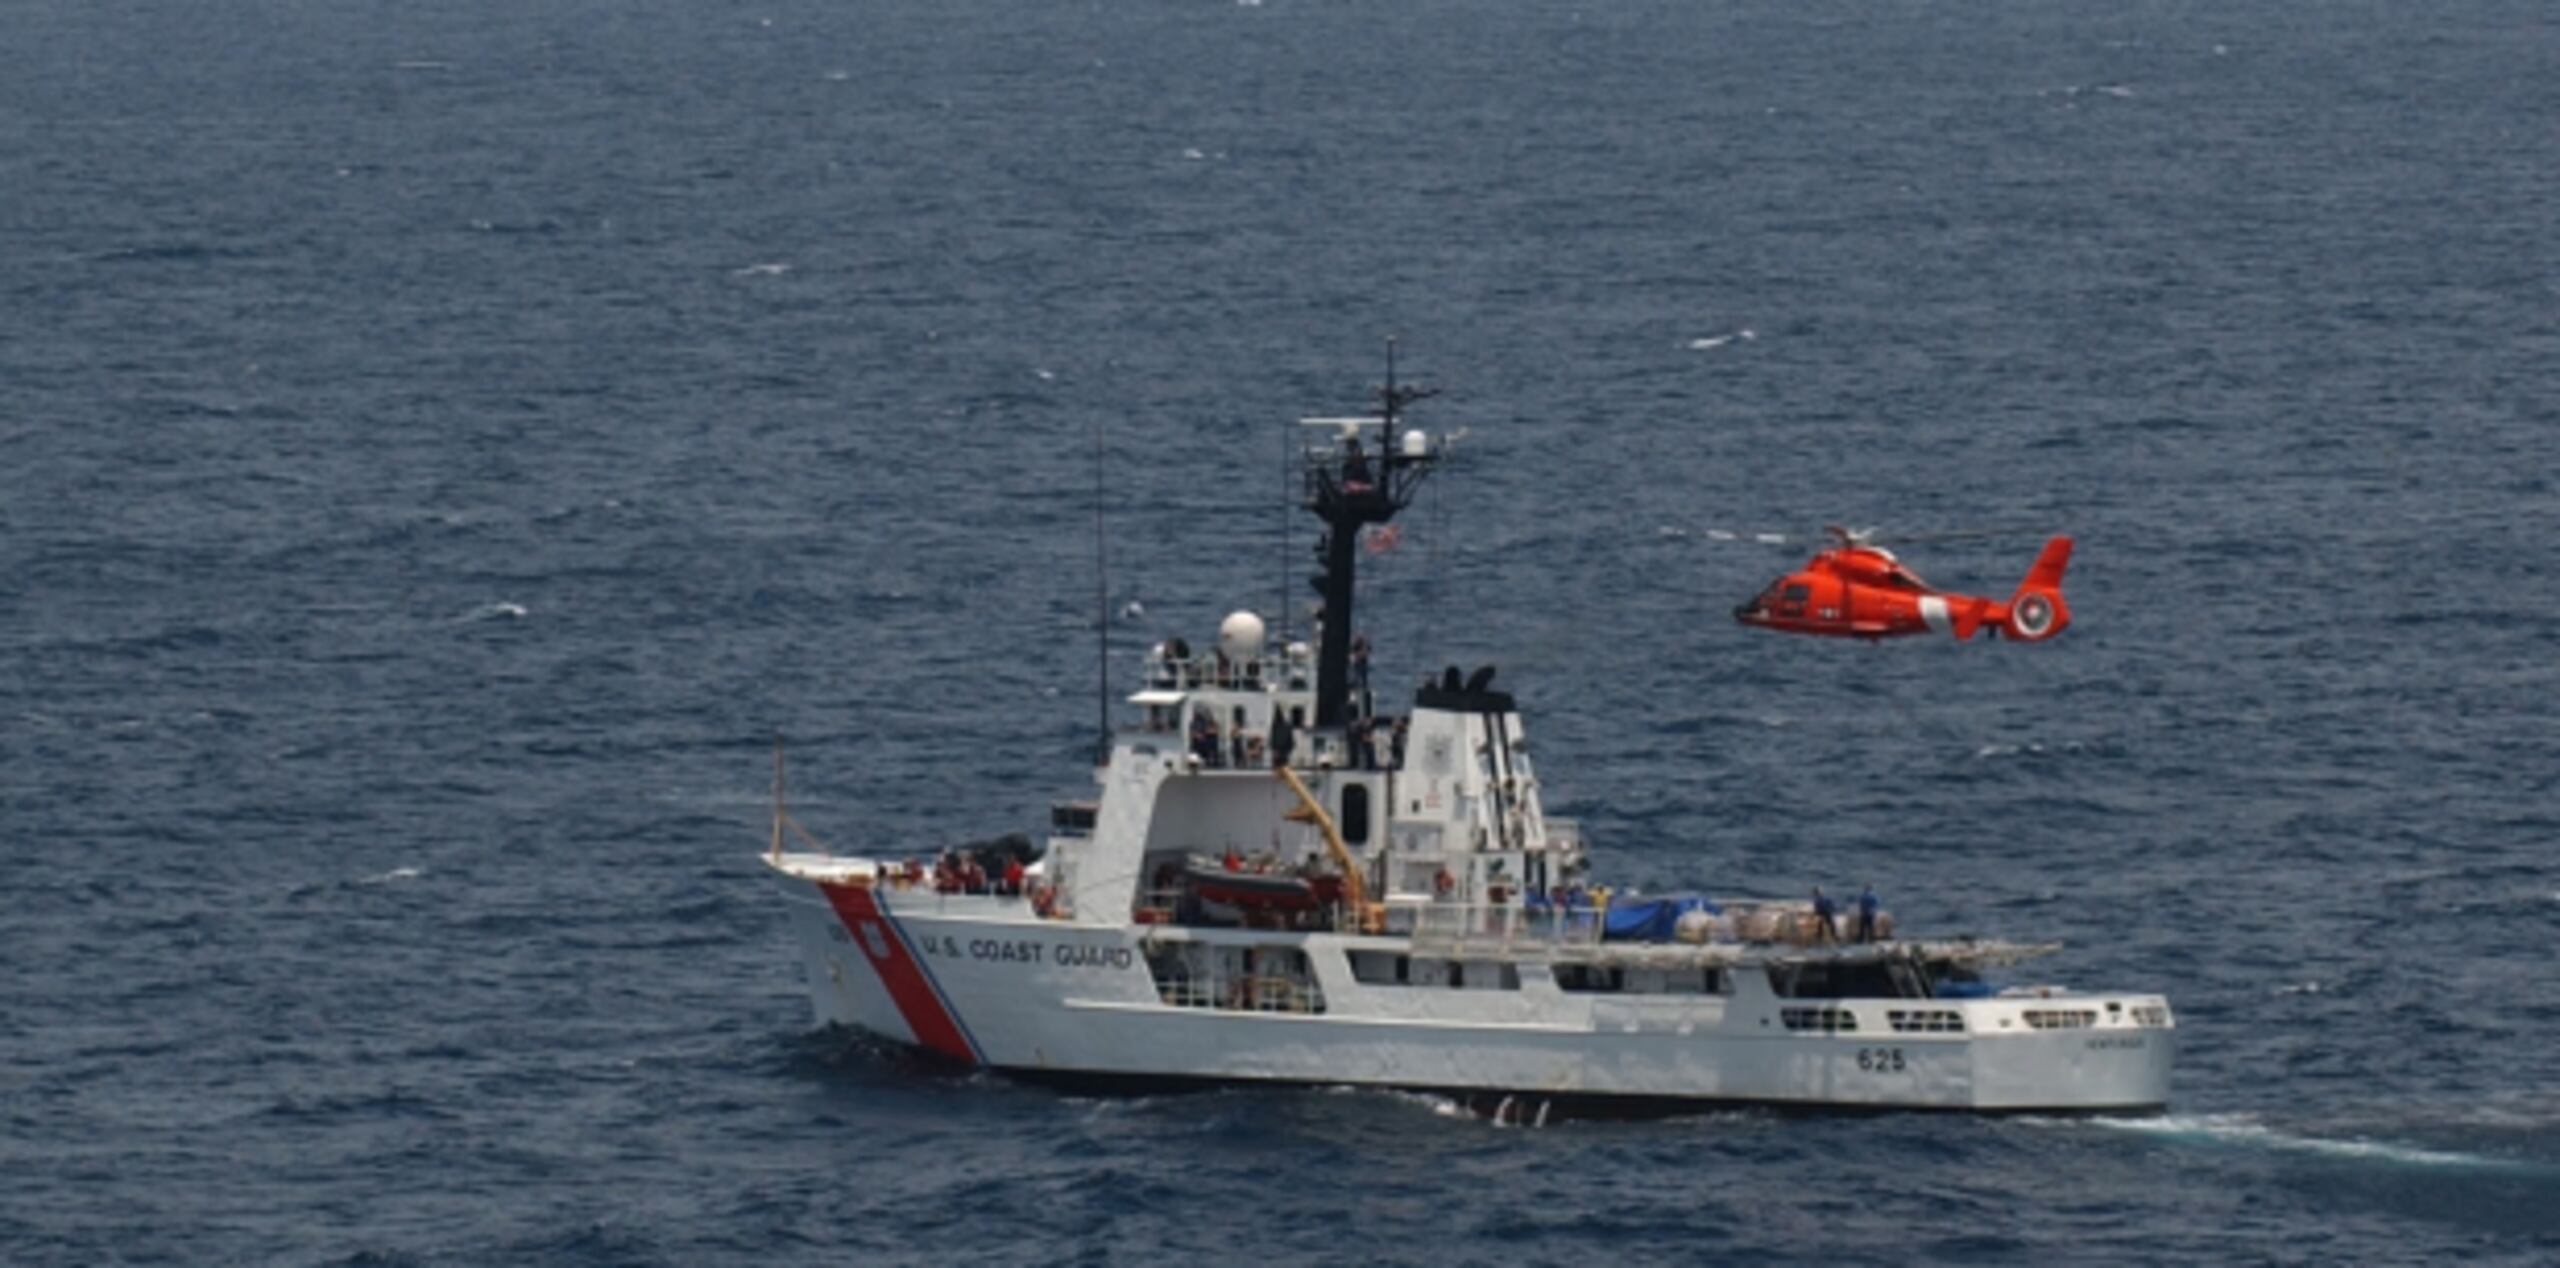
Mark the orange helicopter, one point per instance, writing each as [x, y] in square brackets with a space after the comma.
[1857, 589]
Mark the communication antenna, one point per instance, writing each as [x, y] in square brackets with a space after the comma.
[1392, 399]
[1102, 611]
[1280, 614]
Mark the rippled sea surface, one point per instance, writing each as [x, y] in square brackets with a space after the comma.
[441, 445]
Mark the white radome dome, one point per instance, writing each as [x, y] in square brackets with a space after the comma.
[1240, 636]
[1416, 444]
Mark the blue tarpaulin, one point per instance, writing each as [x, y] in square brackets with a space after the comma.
[1653, 919]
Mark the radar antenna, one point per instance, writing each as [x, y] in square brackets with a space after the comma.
[1392, 399]
[1350, 488]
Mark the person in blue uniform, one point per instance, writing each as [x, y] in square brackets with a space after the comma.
[1825, 912]
[1868, 906]
[1204, 737]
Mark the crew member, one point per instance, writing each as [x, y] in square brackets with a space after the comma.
[1823, 912]
[1868, 905]
[1204, 737]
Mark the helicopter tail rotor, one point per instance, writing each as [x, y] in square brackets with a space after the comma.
[2037, 612]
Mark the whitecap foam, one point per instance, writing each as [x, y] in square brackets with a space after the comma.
[1439, 1105]
[2246, 1130]
[500, 611]
[762, 270]
[395, 874]
[1989, 751]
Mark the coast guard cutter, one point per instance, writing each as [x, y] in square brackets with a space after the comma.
[1285, 876]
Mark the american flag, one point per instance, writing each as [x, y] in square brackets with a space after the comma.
[1383, 538]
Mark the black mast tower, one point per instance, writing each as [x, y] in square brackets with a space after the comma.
[1350, 487]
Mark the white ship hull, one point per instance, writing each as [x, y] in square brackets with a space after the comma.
[983, 981]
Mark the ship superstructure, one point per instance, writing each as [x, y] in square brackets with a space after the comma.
[1286, 875]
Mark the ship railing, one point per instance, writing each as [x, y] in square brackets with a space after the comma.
[1260, 993]
[1209, 670]
[1505, 927]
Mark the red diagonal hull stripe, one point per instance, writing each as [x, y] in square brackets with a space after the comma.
[931, 1023]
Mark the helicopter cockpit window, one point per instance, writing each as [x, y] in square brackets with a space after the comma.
[1798, 593]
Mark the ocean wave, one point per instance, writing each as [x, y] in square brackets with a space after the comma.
[2247, 1131]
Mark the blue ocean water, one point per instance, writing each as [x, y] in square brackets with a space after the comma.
[441, 445]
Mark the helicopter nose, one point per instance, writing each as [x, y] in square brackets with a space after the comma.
[1746, 612]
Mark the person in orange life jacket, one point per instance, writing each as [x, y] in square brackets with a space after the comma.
[1013, 875]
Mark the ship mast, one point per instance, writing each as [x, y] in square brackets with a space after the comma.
[1363, 477]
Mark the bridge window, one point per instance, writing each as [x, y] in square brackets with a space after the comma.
[1380, 968]
[1822, 1019]
[1841, 980]
[2061, 1018]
